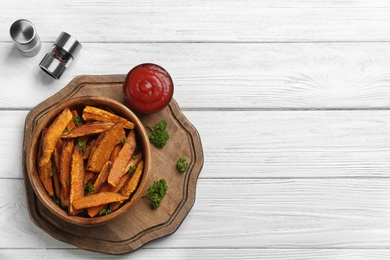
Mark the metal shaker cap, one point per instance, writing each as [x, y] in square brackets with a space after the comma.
[68, 43]
[52, 66]
[25, 37]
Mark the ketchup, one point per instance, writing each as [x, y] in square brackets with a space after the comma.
[148, 88]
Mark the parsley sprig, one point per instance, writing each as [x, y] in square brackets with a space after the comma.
[156, 192]
[105, 211]
[90, 189]
[159, 135]
[182, 164]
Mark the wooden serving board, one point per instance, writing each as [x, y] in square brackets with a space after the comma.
[141, 224]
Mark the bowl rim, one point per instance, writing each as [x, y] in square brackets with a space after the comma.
[31, 162]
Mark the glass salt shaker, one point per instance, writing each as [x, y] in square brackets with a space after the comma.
[61, 55]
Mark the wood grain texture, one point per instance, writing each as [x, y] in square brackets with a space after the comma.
[224, 76]
[219, 21]
[300, 170]
[203, 254]
[312, 214]
[309, 144]
[264, 144]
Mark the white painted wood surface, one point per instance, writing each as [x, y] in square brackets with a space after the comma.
[291, 100]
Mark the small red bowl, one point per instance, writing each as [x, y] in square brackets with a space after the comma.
[148, 88]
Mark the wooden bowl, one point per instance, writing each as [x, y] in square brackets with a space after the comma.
[32, 164]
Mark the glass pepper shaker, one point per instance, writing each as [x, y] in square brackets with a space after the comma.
[61, 55]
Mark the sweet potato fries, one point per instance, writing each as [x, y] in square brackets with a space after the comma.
[88, 163]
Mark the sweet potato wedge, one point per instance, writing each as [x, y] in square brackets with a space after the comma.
[64, 171]
[76, 181]
[115, 152]
[44, 170]
[92, 212]
[134, 180]
[121, 137]
[133, 161]
[77, 121]
[71, 125]
[53, 134]
[97, 199]
[103, 147]
[89, 177]
[97, 114]
[56, 185]
[102, 177]
[55, 169]
[64, 166]
[131, 185]
[88, 148]
[123, 158]
[88, 129]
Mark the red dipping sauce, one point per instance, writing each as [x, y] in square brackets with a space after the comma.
[148, 88]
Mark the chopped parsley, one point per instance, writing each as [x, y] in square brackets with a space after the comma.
[76, 120]
[182, 165]
[156, 192]
[89, 189]
[159, 135]
[104, 211]
[124, 140]
[80, 143]
[132, 168]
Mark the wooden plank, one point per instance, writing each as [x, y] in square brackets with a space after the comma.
[273, 144]
[264, 144]
[12, 129]
[200, 254]
[195, 21]
[248, 213]
[223, 76]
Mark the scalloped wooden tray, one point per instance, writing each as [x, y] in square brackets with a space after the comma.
[141, 224]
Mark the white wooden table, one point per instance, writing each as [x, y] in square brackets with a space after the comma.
[291, 100]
